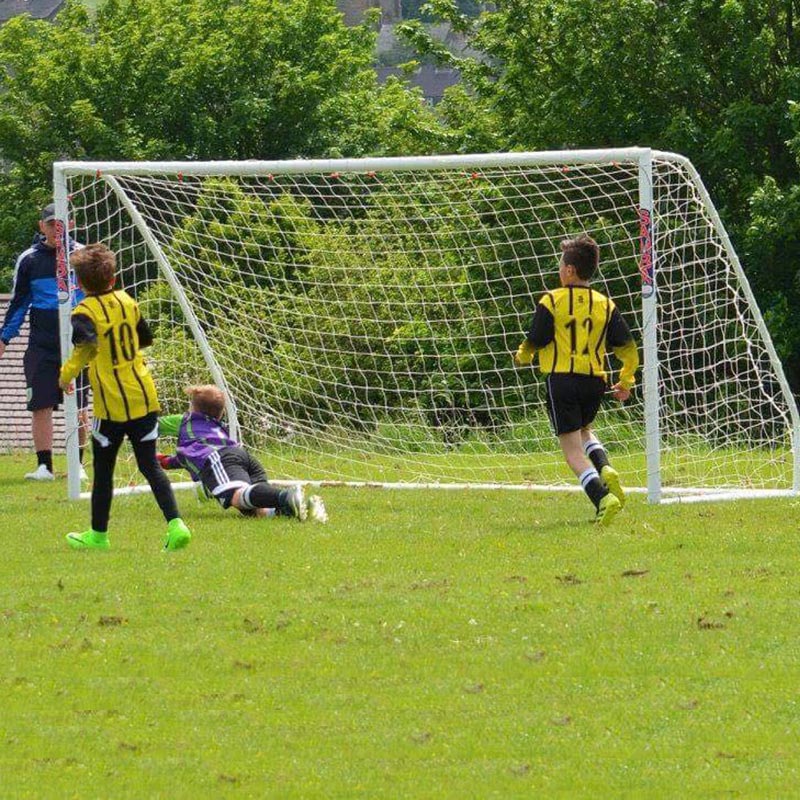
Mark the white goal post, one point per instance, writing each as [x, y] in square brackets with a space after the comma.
[360, 314]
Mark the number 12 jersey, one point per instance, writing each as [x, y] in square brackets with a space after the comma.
[108, 332]
[572, 329]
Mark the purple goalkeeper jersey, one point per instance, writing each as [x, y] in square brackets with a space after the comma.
[198, 437]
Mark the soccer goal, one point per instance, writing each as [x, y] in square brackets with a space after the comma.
[361, 314]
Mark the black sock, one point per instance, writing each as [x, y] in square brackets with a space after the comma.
[593, 486]
[80, 454]
[261, 495]
[45, 457]
[596, 454]
[145, 453]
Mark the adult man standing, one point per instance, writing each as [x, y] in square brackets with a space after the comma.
[35, 289]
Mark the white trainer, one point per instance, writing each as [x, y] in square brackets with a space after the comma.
[296, 501]
[41, 473]
[316, 509]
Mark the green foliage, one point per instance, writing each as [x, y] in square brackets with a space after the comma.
[712, 80]
[421, 254]
[190, 79]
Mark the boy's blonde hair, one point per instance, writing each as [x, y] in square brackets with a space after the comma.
[95, 266]
[207, 399]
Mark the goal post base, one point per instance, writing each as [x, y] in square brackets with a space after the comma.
[672, 495]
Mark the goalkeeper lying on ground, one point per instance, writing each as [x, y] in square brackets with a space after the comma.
[223, 468]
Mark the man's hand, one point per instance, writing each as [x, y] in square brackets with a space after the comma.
[620, 392]
[67, 387]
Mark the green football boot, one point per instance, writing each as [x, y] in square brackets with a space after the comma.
[608, 509]
[178, 535]
[610, 477]
[88, 540]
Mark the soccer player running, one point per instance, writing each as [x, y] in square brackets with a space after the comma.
[108, 332]
[222, 468]
[572, 328]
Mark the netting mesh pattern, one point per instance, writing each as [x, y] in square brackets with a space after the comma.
[363, 322]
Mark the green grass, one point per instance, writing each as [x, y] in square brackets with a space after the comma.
[422, 644]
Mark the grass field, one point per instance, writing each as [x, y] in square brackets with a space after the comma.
[422, 644]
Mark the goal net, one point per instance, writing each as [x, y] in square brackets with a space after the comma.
[361, 314]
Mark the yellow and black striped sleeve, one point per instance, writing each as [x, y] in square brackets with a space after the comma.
[622, 344]
[84, 339]
[542, 329]
[540, 333]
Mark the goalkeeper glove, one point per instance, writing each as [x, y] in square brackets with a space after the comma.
[164, 460]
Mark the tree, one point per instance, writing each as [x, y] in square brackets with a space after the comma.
[712, 79]
[190, 79]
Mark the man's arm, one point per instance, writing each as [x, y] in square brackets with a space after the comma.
[19, 305]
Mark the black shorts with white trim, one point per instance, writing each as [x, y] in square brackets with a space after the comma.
[573, 400]
[229, 469]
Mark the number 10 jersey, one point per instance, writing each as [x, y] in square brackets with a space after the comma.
[108, 332]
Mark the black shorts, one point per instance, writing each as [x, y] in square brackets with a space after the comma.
[110, 433]
[41, 378]
[42, 368]
[229, 469]
[573, 401]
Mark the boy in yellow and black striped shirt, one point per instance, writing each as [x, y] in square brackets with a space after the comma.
[108, 332]
[572, 329]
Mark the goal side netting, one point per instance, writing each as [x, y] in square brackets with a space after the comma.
[361, 314]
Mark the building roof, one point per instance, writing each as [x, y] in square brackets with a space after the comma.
[40, 9]
[432, 80]
[15, 419]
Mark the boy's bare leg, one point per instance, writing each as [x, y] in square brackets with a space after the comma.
[572, 447]
[42, 428]
[587, 475]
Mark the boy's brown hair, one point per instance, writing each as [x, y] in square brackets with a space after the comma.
[95, 267]
[207, 399]
[582, 253]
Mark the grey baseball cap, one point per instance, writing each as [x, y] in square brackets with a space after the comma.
[48, 213]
